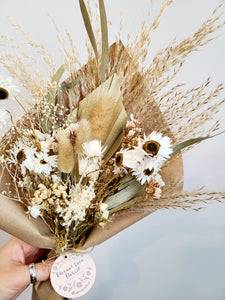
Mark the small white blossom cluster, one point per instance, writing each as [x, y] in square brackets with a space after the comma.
[41, 201]
[32, 153]
[76, 204]
[144, 160]
[70, 205]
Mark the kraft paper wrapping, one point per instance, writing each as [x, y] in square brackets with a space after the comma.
[35, 232]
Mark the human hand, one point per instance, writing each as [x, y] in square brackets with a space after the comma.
[15, 256]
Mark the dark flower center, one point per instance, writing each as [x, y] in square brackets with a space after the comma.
[151, 147]
[119, 159]
[3, 94]
[148, 172]
[43, 162]
[20, 156]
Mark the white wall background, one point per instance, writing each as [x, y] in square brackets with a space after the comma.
[169, 255]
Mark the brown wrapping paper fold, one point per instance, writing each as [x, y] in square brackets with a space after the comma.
[14, 221]
[35, 232]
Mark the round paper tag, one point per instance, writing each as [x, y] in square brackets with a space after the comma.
[73, 275]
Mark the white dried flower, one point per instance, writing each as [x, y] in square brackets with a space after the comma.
[154, 188]
[89, 168]
[80, 199]
[93, 148]
[144, 171]
[34, 211]
[159, 144]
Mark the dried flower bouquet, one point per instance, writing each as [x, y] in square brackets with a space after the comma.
[103, 148]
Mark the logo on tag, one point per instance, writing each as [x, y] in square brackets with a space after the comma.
[73, 275]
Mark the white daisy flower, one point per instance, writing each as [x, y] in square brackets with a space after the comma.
[157, 145]
[19, 153]
[44, 163]
[149, 162]
[42, 167]
[8, 90]
[52, 160]
[144, 171]
[40, 163]
[93, 148]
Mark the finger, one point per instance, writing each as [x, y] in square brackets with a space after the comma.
[43, 270]
[21, 278]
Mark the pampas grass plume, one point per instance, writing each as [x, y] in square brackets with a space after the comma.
[66, 141]
[84, 134]
[102, 115]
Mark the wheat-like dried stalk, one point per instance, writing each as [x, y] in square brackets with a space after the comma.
[194, 200]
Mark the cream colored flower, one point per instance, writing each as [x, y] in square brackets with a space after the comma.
[34, 211]
[93, 148]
